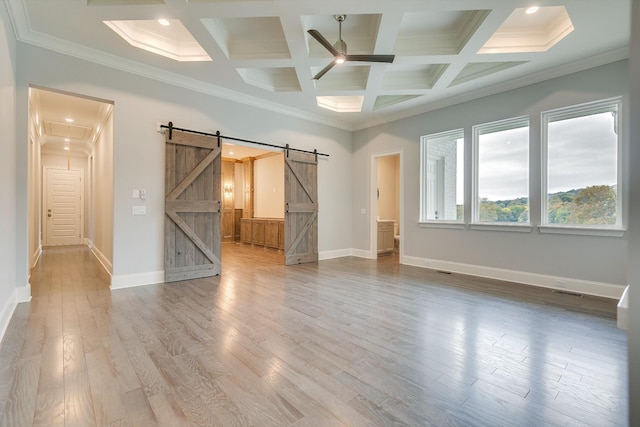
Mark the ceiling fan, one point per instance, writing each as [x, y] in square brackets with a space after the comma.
[339, 50]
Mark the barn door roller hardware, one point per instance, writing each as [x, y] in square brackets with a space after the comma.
[219, 136]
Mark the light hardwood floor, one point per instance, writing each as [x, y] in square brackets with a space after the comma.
[341, 342]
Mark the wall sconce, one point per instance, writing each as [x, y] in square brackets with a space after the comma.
[228, 189]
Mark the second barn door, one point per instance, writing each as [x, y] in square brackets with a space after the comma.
[301, 207]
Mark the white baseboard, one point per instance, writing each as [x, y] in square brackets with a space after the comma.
[6, 312]
[623, 310]
[103, 260]
[23, 293]
[339, 253]
[585, 287]
[361, 253]
[36, 256]
[133, 280]
[126, 280]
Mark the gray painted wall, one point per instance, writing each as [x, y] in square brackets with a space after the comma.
[634, 229]
[600, 259]
[139, 149]
[7, 169]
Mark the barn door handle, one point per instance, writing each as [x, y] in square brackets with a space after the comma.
[286, 207]
[219, 206]
[49, 213]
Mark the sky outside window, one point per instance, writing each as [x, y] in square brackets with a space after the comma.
[503, 164]
[582, 151]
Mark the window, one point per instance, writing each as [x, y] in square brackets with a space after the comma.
[501, 172]
[442, 177]
[580, 149]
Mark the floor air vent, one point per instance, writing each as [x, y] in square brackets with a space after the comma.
[573, 294]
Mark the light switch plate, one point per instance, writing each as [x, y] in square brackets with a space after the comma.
[135, 194]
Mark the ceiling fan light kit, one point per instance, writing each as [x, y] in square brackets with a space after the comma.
[339, 50]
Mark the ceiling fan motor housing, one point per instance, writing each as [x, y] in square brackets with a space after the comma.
[341, 46]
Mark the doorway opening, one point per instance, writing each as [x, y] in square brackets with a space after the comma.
[70, 177]
[252, 221]
[269, 204]
[386, 207]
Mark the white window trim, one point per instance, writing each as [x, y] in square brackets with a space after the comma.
[423, 221]
[519, 227]
[476, 224]
[582, 231]
[574, 111]
[433, 223]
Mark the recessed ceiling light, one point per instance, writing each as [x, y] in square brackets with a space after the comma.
[66, 147]
[532, 10]
[164, 22]
[67, 140]
[68, 120]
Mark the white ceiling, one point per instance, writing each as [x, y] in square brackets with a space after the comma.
[62, 120]
[261, 53]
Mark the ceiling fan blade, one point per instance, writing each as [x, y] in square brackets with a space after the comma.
[324, 42]
[371, 58]
[324, 70]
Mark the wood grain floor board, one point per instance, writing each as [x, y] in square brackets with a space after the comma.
[167, 410]
[347, 341]
[20, 403]
[120, 366]
[258, 408]
[189, 382]
[303, 365]
[107, 405]
[138, 410]
[487, 402]
[49, 410]
[314, 412]
[148, 374]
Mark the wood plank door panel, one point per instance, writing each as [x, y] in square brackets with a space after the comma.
[301, 208]
[192, 206]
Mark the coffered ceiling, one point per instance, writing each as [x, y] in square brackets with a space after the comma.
[259, 52]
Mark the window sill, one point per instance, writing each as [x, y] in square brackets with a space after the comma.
[581, 231]
[496, 226]
[442, 224]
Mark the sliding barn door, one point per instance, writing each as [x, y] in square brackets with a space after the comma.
[301, 208]
[192, 206]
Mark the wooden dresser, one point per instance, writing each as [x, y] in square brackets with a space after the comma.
[268, 232]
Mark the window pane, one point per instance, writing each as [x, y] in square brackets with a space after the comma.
[503, 174]
[582, 159]
[443, 175]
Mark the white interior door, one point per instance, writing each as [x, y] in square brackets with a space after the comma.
[63, 207]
